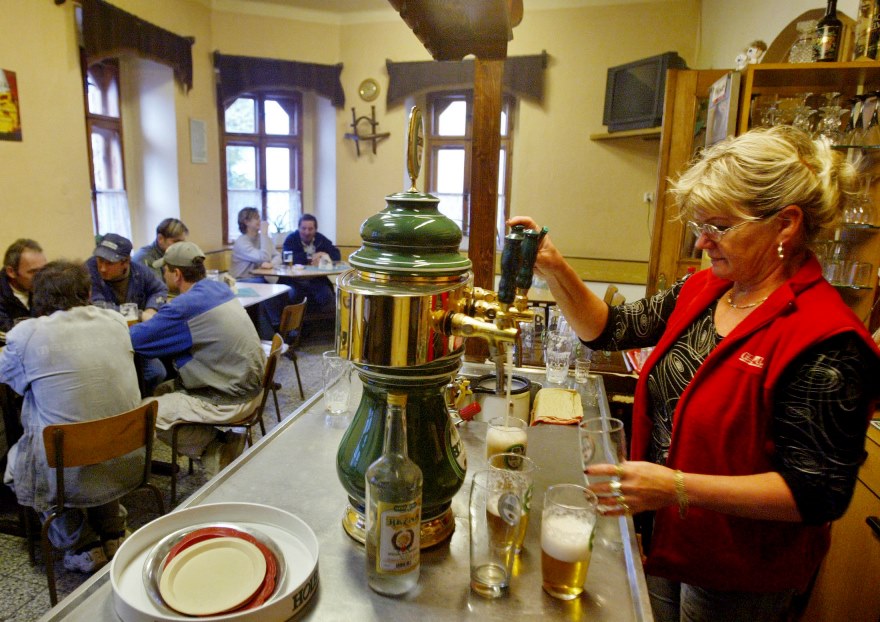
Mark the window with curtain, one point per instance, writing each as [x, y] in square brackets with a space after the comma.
[449, 136]
[104, 127]
[262, 143]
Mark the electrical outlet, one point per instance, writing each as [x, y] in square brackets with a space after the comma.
[648, 197]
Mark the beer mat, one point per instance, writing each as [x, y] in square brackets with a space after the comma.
[246, 292]
[557, 407]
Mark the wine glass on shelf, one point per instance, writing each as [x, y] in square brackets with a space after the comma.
[803, 115]
[852, 134]
[872, 132]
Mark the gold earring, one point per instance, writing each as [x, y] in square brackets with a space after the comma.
[780, 250]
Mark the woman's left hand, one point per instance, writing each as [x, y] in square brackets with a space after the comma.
[639, 486]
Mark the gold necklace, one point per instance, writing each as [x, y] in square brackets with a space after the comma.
[729, 301]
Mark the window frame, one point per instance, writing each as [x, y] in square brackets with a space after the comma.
[435, 142]
[262, 141]
[103, 122]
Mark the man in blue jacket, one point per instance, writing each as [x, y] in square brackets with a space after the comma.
[216, 352]
[308, 248]
[115, 280]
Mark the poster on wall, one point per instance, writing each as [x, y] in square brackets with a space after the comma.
[10, 118]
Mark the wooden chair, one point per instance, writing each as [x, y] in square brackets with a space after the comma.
[248, 421]
[93, 442]
[291, 322]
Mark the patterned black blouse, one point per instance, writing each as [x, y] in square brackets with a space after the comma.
[818, 419]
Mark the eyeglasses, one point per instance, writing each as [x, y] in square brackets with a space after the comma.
[715, 232]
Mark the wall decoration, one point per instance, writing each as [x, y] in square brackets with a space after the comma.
[10, 113]
[198, 143]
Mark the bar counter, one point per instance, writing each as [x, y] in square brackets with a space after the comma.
[294, 468]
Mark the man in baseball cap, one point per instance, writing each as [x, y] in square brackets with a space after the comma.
[215, 349]
[116, 280]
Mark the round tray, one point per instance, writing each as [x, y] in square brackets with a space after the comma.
[296, 541]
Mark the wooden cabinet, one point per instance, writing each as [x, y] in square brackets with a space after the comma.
[847, 589]
[672, 248]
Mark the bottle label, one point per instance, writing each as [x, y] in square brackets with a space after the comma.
[827, 38]
[399, 525]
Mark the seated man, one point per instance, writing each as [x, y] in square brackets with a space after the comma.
[23, 259]
[253, 248]
[115, 279]
[216, 352]
[308, 248]
[168, 232]
[72, 363]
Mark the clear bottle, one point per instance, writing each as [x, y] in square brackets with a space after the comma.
[803, 50]
[394, 509]
[864, 27]
[828, 33]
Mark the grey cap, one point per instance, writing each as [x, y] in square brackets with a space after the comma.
[113, 247]
[181, 255]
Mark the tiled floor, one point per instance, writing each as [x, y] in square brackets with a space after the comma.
[24, 595]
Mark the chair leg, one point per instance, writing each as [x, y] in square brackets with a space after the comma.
[302, 395]
[173, 470]
[49, 559]
[157, 494]
[277, 408]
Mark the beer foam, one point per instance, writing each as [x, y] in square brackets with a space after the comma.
[565, 538]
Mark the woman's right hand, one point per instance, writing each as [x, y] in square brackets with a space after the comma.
[549, 257]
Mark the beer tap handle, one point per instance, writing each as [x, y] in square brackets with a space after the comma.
[510, 262]
[529, 253]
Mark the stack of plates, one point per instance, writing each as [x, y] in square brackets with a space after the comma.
[227, 561]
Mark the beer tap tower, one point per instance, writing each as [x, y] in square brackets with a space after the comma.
[403, 313]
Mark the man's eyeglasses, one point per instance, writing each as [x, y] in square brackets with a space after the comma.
[715, 232]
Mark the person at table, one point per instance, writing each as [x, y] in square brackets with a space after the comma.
[23, 259]
[72, 363]
[216, 352]
[116, 279]
[168, 232]
[750, 414]
[309, 247]
[253, 248]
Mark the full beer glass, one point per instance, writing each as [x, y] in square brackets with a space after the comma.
[567, 524]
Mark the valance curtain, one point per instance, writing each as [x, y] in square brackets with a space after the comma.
[523, 77]
[245, 74]
[107, 31]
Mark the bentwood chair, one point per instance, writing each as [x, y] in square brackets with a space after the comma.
[247, 421]
[290, 330]
[92, 442]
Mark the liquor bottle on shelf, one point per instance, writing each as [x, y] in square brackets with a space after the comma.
[828, 33]
[393, 508]
[865, 28]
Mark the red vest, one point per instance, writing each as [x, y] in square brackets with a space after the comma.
[722, 426]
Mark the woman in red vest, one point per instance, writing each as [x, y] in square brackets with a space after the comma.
[750, 414]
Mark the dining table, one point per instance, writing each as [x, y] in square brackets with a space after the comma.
[293, 468]
[298, 271]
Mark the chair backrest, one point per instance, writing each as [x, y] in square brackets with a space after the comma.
[92, 442]
[269, 373]
[292, 319]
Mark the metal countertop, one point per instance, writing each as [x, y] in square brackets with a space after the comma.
[294, 468]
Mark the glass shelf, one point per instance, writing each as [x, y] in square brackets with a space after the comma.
[859, 226]
[851, 287]
[862, 147]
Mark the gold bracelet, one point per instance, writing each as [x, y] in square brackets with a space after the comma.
[681, 494]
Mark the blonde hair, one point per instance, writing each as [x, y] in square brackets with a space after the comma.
[764, 170]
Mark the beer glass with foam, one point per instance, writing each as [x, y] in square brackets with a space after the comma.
[567, 524]
[506, 435]
[520, 470]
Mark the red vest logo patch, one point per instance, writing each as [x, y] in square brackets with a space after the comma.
[752, 359]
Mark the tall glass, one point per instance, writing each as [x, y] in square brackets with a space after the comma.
[559, 345]
[506, 435]
[495, 508]
[603, 441]
[567, 524]
[520, 470]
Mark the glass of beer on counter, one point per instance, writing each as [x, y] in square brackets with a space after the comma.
[567, 524]
[521, 471]
[506, 435]
[495, 510]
